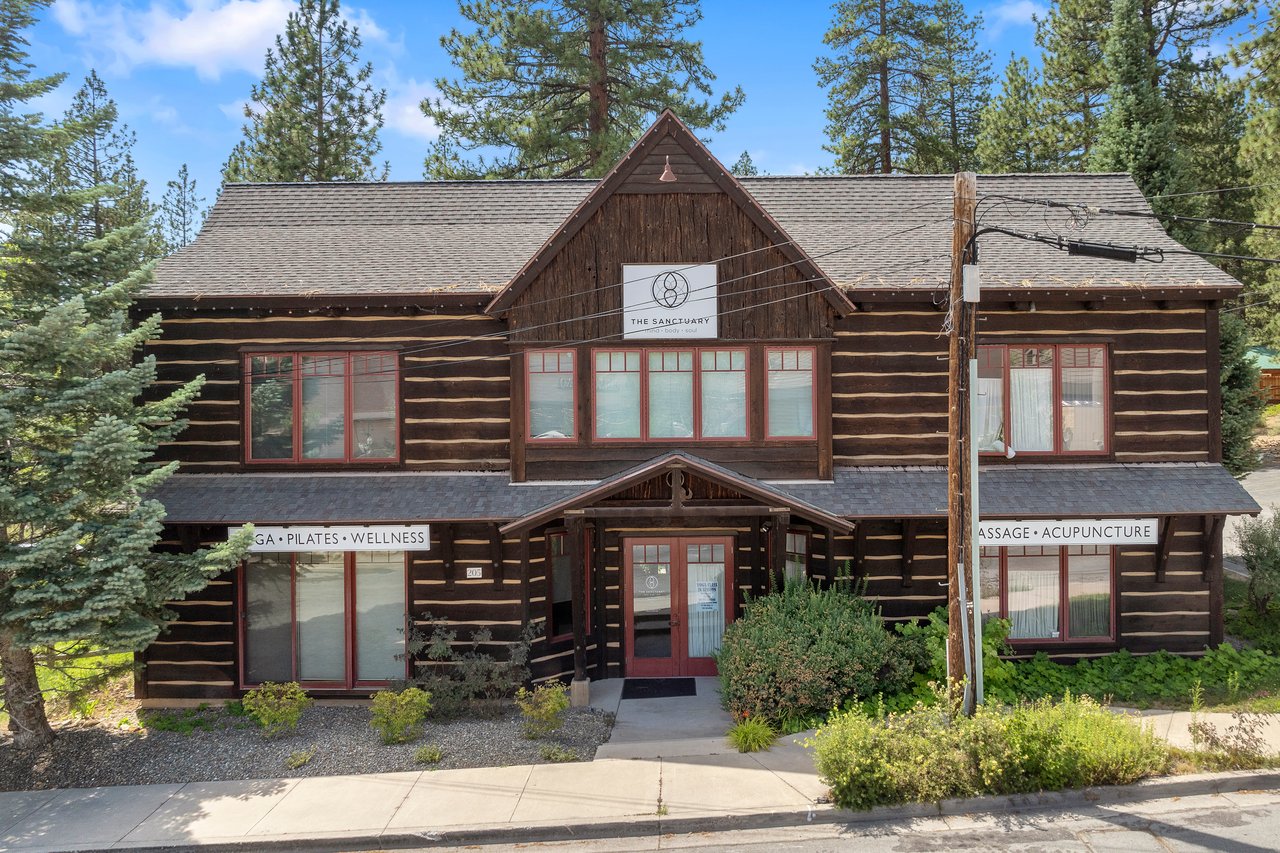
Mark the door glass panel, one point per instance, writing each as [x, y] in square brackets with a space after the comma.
[705, 573]
[268, 618]
[379, 615]
[321, 613]
[651, 600]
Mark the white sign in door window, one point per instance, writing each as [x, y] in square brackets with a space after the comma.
[1072, 531]
[669, 301]
[707, 596]
[338, 537]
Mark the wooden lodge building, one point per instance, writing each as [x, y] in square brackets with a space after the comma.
[617, 407]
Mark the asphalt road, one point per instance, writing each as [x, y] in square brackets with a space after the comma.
[1244, 822]
[1264, 485]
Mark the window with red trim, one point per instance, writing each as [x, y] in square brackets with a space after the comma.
[1046, 399]
[552, 398]
[1030, 585]
[796, 565]
[670, 394]
[789, 402]
[322, 407]
[326, 619]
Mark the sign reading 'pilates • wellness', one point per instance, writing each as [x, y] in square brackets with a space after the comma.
[1073, 531]
[339, 537]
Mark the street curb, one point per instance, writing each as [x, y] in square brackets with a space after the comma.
[640, 825]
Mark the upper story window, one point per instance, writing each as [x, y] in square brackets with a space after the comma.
[1042, 399]
[789, 403]
[322, 407]
[670, 394]
[551, 396]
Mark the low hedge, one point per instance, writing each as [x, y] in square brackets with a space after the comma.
[930, 753]
[797, 654]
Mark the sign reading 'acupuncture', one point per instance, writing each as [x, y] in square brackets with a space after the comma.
[339, 537]
[669, 301]
[1074, 531]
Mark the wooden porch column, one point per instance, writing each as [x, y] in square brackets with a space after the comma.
[778, 548]
[579, 693]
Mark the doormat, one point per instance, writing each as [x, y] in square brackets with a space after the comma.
[658, 688]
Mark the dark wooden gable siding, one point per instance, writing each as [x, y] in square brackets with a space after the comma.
[889, 376]
[454, 378]
[578, 297]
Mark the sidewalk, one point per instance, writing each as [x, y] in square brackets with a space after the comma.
[258, 813]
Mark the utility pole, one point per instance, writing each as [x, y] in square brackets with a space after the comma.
[960, 544]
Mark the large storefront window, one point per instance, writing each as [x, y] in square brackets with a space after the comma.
[1042, 399]
[325, 619]
[1030, 585]
[319, 407]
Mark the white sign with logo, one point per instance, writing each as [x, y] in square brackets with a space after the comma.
[339, 537]
[669, 301]
[1074, 531]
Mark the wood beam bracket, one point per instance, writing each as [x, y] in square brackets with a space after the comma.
[860, 550]
[1211, 547]
[1166, 546]
[909, 529]
[495, 555]
[448, 568]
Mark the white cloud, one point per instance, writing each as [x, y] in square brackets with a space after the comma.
[403, 113]
[211, 36]
[371, 32]
[1013, 13]
[233, 110]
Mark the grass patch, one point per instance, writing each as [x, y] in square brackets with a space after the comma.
[72, 677]
[752, 734]
[558, 754]
[182, 720]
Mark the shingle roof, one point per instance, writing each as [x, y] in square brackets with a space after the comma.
[407, 238]
[1030, 491]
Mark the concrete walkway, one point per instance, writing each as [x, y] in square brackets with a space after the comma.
[261, 813]
[663, 728]
[1175, 726]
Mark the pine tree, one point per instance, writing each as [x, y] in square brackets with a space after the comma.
[1136, 134]
[878, 80]
[743, 167]
[315, 116]
[181, 212]
[1012, 136]
[1074, 77]
[1260, 159]
[1242, 402]
[960, 80]
[562, 88]
[80, 419]
[97, 159]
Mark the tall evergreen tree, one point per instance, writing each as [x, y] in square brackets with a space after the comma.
[1137, 133]
[315, 116]
[181, 211]
[79, 419]
[1242, 401]
[562, 88]
[1012, 136]
[1074, 77]
[878, 82]
[1260, 158]
[743, 167]
[960, 80]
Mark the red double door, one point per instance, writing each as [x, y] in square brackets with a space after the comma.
[679, 597]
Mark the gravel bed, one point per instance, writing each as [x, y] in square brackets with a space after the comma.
[233, 748]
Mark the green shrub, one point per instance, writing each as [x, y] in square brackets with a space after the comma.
[930, 753]
[398, 717]
[557, 754]
[429, 754]
[299, 758]
[276, 707]
[798, 653]
[1259, 542]
[183, 721]
[752, 734]
[543, 709]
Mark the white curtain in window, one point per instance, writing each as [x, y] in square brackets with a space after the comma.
[989, 418]
[1089, 593]
[1034, 597]
[618, 405]
[724, 404]
[320, 608]
[706, 607]
[380, 615]
[671, 404]
[1031, 408]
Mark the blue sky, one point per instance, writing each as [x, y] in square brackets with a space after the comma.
[181, 69]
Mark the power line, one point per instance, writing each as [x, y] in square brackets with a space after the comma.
[1219, 190]
[1089, 209]
[1155, 254]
